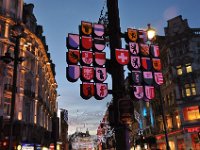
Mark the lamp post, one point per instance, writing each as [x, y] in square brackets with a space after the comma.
[17, 31]
[117, 73]
[151, 37]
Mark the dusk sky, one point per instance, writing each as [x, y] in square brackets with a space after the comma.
[60, 17]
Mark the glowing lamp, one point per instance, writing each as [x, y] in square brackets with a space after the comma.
[150, 32]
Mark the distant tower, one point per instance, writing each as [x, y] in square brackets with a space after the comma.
[87, 132]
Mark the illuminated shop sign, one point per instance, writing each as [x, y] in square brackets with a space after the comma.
[27, 146]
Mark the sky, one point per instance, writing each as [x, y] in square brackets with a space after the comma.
[60, 17]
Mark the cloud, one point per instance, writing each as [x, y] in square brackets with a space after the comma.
[170, 12]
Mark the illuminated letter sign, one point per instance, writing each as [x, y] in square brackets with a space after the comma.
[122, 56]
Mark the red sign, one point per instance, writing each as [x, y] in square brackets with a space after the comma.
[87, 73]
[86, 42]
[149, 92]
[122, 56]
[100, 58]
[101, 90]
[194, 129]
[87, 57]
[87, 90]
[73, 56]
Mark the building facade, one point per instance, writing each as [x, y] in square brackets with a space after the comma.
[63, 135]
[82, 141]
[36, 95]
[180, 50]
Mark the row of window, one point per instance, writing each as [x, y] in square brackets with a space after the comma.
[189, 90]
[171, 122]
[39, 117]
[189, 114]
[180, 68]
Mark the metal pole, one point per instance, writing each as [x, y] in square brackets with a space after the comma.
[164, 121]
[14, 88]
[117, 72]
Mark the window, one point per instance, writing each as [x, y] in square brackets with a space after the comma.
[188, 68]
[172, 144]
[35, 111]
[161, 126]
[178, 121]
[13, 6]
[179, 70]
[19, 115]
[191, 113]
[190, 90]
[187, 90]
[169, 123]
[7, 106]
[27, 111]
[193, 89]
[1, 3]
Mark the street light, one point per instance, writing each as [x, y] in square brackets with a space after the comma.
[17, 31]
[151, 33]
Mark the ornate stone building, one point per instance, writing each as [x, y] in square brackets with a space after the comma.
[180, 49]
[80, 140]
[36, 94]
